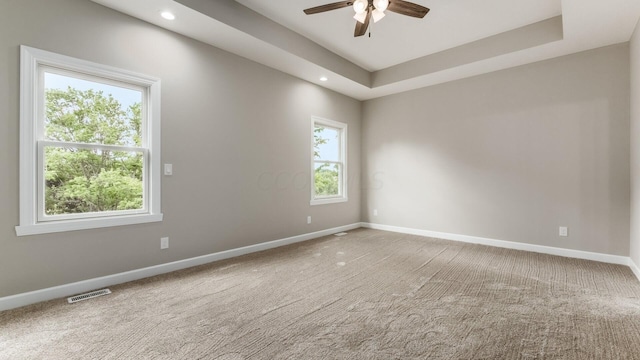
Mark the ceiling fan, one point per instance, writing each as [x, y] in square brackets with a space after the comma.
[366, 9]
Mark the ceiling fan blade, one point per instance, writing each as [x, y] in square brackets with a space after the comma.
[361, 28]
[407, 8]
[328, 7]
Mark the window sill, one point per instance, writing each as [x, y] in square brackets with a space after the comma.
[85, 224]
[328, 201]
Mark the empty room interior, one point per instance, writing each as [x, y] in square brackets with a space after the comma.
[311, 179]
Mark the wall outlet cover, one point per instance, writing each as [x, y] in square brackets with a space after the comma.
[563, 231]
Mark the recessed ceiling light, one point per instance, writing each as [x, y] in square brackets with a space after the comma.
[324, 78]
[167, 15]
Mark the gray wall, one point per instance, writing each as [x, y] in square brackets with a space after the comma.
[635, 146]
[225, 122]
[509, 155]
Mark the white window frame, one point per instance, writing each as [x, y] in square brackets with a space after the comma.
[33, 62]
[342, 186]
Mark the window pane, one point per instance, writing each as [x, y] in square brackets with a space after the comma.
[87, 180]
[327, 179]
[78, 110]
[326, 143]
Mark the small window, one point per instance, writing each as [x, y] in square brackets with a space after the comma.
[329, 166]
[89, 150]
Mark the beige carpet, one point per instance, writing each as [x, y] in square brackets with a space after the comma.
[367, 295]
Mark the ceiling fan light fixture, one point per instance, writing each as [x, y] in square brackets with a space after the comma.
[360, 17]
[381, 5]
[377, 15]
[360, 6]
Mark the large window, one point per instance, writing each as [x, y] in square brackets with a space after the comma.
[89, 147]
[329, 166]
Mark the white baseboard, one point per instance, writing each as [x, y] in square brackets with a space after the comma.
[14, 301]
[606, 258]
[634, 268]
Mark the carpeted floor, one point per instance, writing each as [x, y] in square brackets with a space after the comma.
[367, 295]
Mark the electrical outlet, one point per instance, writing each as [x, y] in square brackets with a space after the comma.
[375, 212]
[563, 231]
[164, 243]
[308, 219]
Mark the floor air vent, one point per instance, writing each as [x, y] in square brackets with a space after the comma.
[89, 295]
[340, 234]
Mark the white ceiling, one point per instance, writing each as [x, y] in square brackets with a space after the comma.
[401, 49]
[397, 38]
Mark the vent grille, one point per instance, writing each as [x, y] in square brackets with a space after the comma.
[89, 295]
[340, 234]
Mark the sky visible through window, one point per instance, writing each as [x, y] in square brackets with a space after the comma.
[126, 97]
[331, 149]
